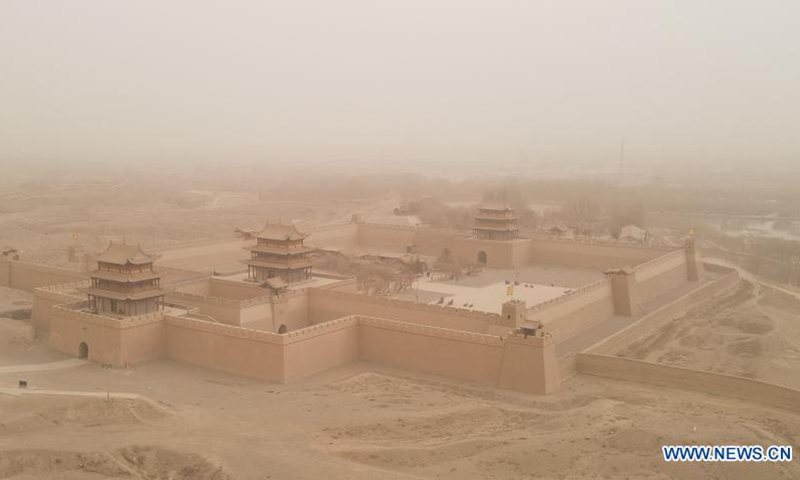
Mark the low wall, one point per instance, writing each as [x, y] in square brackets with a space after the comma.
[28, 276]
[719, 384]
[656, 319]
[325, 305]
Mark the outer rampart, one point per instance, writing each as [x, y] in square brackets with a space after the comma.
[660, 316]
[687, 379]
[28, 276]
[601, 360]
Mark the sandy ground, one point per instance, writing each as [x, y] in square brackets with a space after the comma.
[362, 421]
[42, 222]
[488, 291]
[487, 298]
[754, 331]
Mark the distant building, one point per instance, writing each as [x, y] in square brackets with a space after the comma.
[633, 233]
[125, 283]
[495, 221]
[279, 254]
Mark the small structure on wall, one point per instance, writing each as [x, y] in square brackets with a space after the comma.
[279, 254]
[125, 283]
[495, 221]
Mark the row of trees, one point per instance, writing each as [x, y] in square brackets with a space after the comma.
[374, 277]
[381, 277]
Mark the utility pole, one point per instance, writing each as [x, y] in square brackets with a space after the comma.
[107, 368]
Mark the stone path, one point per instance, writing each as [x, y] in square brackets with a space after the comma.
[40, 367]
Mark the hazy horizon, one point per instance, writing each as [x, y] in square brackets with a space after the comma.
[403, 81]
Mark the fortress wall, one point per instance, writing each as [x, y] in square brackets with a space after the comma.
[203, 287]
[349, 285]
[260, 314]
[232, 290]
[320, 347]
[45, 298]
[224, 348]
[513, 362]
[426, 349]
[719, 384]
[659, 317]
[575, 311]
[430, 241]
[110, 340]
[660, 275]
[292, 310]
[334, 236]
[600, 256]
[385, 237]
[499, 254]
[523, 364]
[68, 329]
[521, 254]
[224, 311]
[28, 276]
[326, 305]
[142, 344]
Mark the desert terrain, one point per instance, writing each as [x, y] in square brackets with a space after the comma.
[752, 331]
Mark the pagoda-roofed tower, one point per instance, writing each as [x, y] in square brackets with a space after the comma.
[125, 283]
[495, 221]
[279, 254]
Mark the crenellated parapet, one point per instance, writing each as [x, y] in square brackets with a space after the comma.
[569, 296]
[410, 306]
[430, 331]
[75, 311]
[222, 329]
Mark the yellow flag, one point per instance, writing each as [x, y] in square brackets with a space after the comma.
[510, 290]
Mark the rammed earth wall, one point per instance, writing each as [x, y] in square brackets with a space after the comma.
[28, 276]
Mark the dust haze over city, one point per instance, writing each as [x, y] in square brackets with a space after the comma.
[371, 239]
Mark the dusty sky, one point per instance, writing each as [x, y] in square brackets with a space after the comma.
[419, 79]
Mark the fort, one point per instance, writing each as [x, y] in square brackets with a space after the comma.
[521, 322]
